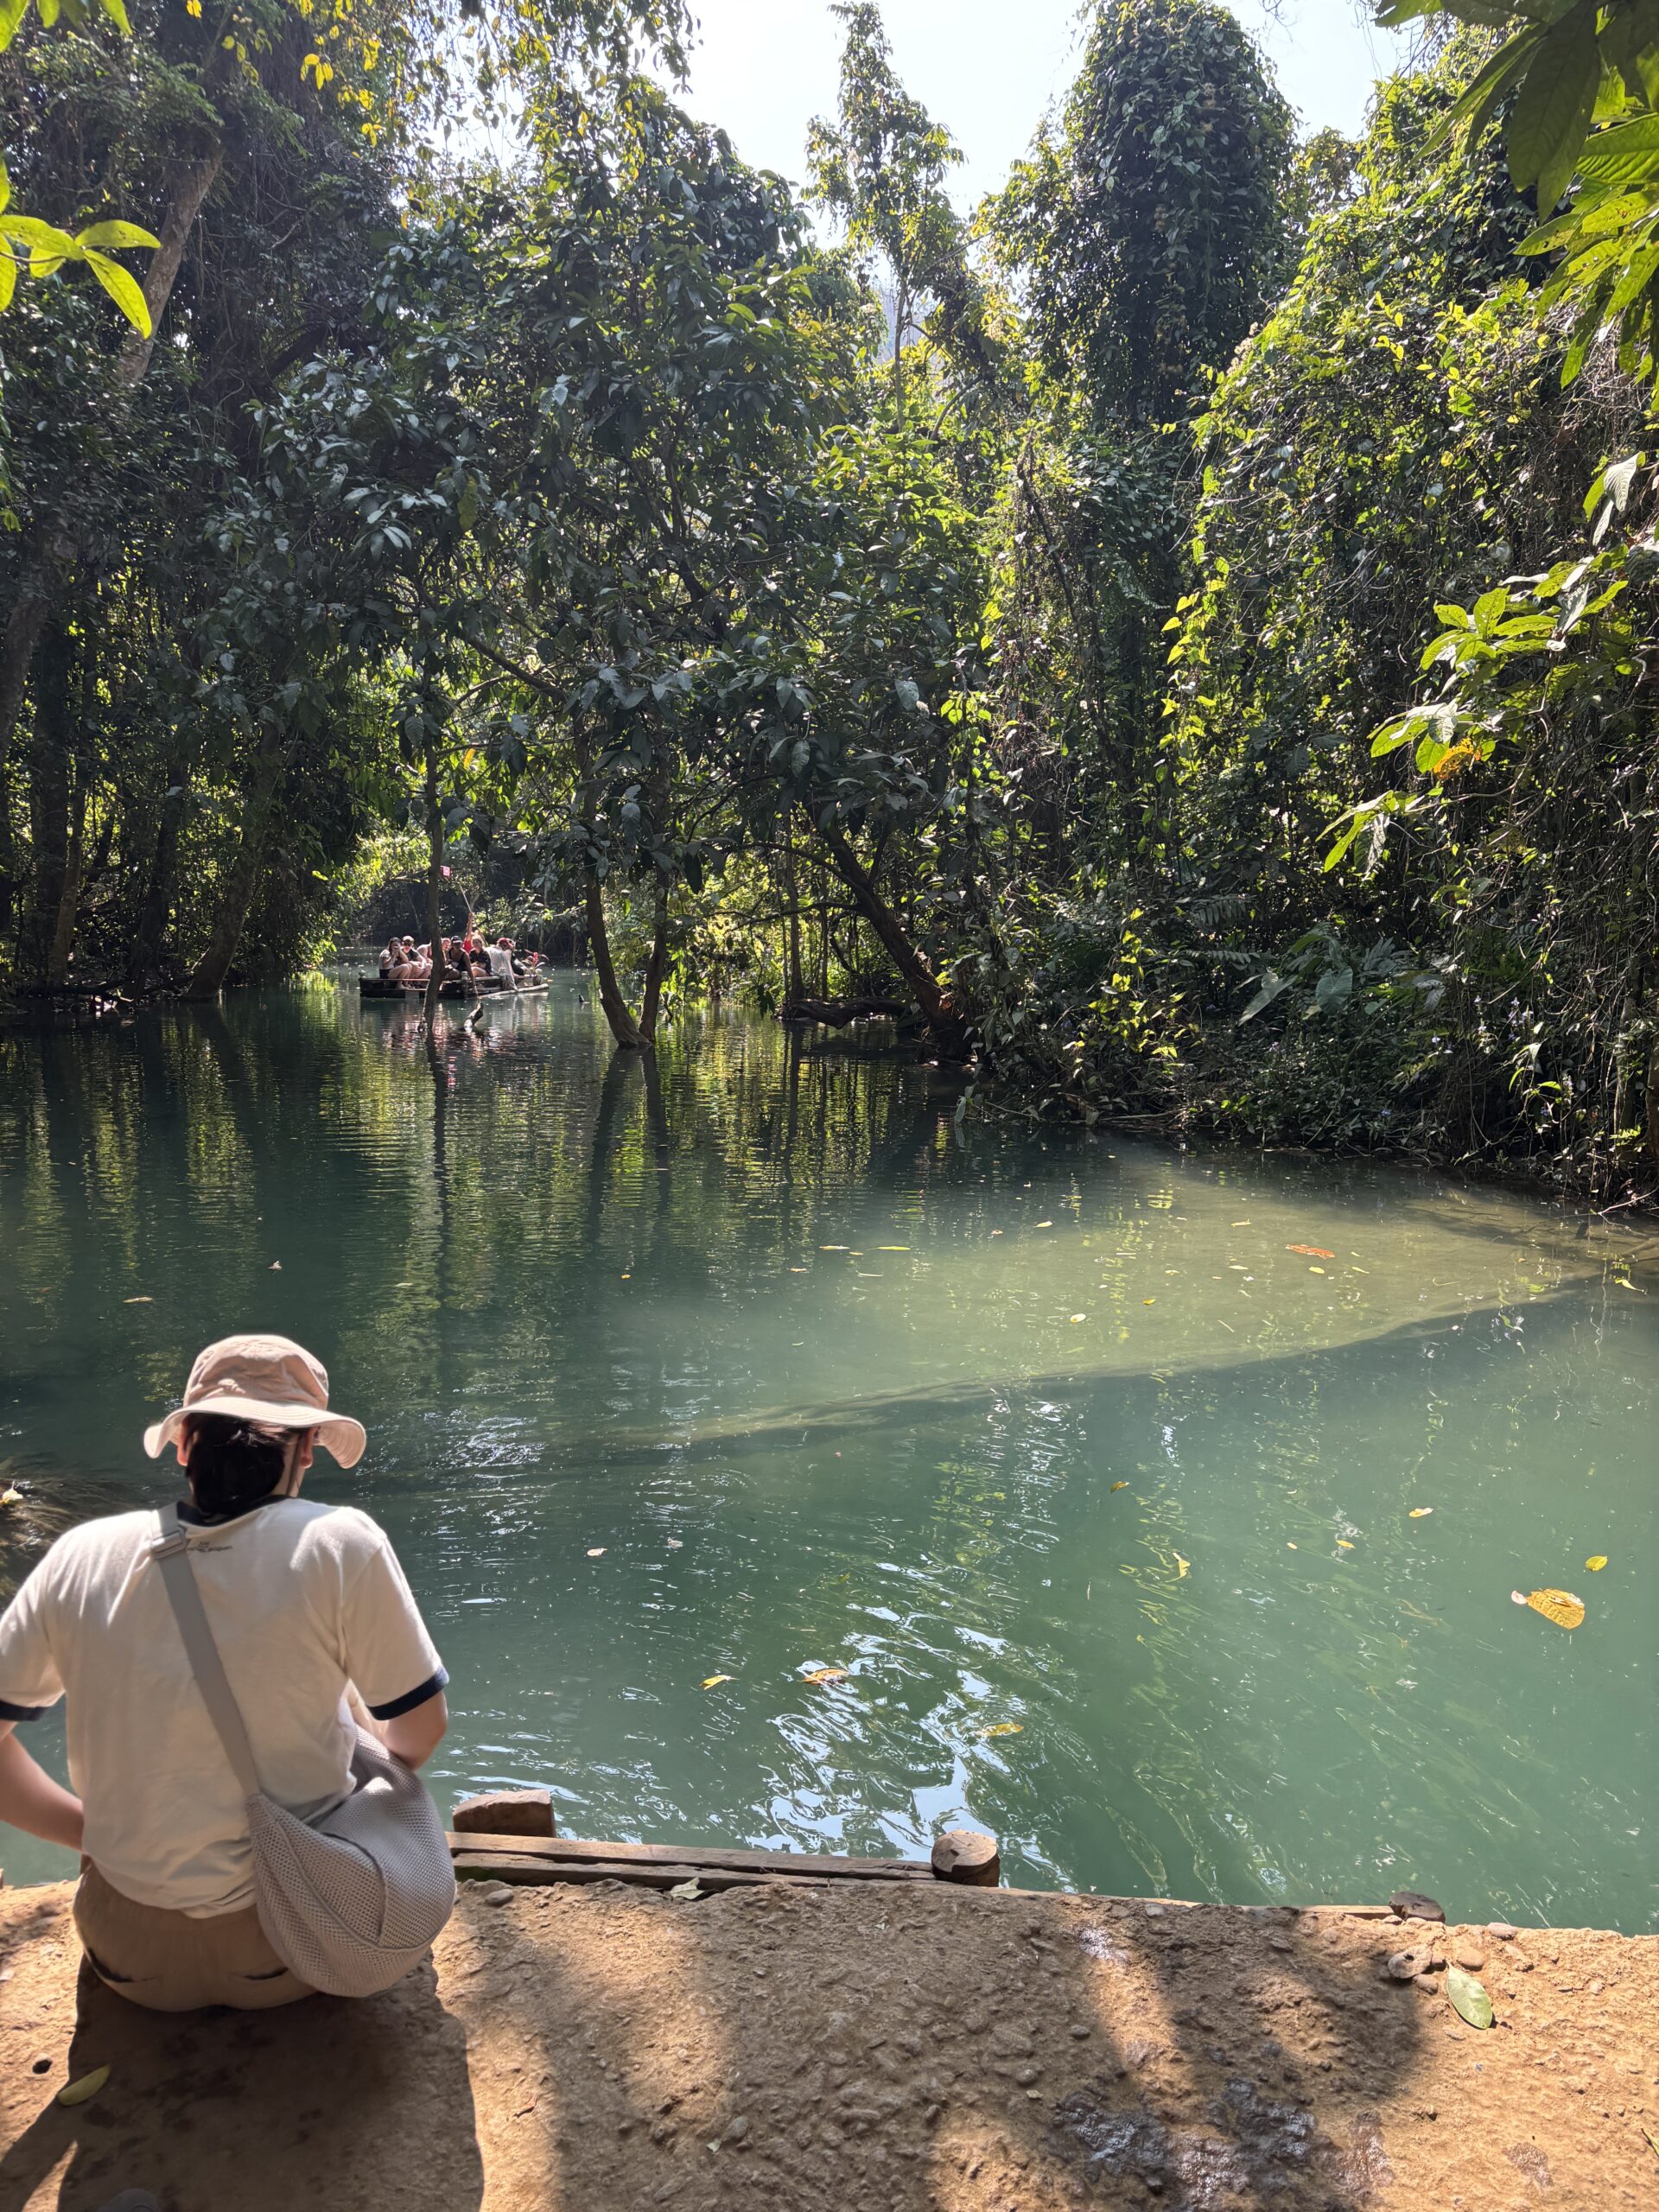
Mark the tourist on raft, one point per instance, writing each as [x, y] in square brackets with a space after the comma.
[317, 1632]
[502, 966]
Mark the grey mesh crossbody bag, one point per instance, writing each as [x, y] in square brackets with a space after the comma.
[353, 1899]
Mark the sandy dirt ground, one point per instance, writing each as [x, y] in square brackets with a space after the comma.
[857, 2049]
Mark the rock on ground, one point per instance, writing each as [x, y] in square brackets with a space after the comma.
[856, 2050]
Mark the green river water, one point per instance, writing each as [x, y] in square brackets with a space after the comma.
[766, 1364]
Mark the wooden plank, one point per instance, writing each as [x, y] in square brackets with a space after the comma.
[521, 1869]
[506, 1812]
[813, 1865]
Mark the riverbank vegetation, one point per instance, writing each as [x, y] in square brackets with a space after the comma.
[1183, 630]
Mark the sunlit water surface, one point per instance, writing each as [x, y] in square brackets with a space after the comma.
[1177, 1557]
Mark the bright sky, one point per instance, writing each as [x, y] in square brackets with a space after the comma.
[984, 68]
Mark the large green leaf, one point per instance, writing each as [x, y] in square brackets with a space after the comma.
[107, 235]
[122, 289]
[1628, 154]
[1553, 107]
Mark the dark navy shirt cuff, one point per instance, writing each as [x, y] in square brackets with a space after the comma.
[430, 1687]
[9, 1712]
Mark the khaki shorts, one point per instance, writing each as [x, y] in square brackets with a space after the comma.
[172, 1963]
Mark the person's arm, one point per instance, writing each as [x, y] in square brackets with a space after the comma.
[30, 1800]
[413, 1736]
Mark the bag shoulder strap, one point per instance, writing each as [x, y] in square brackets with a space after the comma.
[171, 1552]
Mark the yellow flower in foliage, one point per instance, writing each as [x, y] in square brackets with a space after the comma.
[1455, 759]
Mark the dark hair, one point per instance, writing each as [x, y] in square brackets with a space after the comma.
[233, 1464]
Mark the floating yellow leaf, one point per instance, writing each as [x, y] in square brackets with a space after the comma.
[1181, 1567]
[892, 1248]
[77, 2092]
[598, 1552]
[1005, 1728]
[1343, 1544]
[1079, 1317]
[1420, 1513]
[832, 1247]
[1558, 1605]
[1292, 1548]
[710, 1681]
[1148, 1301]
[1241, 1225]
[138, 1301]
[1120, 1485]
[11, 1495]
[826, 1674]
[1596, 1562]
[1044, 1224]
[1316, 1271]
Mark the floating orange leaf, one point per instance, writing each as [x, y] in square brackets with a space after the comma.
[1558, 1605]
[1005, 1728]
[1311, 1251]
[826, 1674]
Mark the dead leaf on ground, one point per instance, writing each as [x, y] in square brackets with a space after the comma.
[1181, 1567]
[1005, 1728]
[689, 1891]
[77, 2092]
[1311, 1251]
[826, 1674]
[1468, 1998]
[1558, 1605]
[711, 1682]
[1596, 1561]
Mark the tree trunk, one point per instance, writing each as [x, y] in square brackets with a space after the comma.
[943, 1023]
[49, 796]
[42, 564]
[434, 888]
[794, 986]
[623, 1027]
[63, 932]
[650, 999]
[154, 914]
[242, 880]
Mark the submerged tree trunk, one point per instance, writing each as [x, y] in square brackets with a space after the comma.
[944, 1024]
[623, 1027]
[434, 888]
[651, 997]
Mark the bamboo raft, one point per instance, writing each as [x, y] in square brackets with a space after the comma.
[509, 1838]
[484, 987]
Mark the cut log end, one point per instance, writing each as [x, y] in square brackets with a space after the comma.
[960, 1855]
[506, 1812]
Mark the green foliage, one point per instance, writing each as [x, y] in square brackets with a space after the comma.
[1151, 224]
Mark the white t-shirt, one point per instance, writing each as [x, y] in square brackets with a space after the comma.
[303, 1599]
[500, 963]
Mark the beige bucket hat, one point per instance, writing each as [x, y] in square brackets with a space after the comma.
[268, 1379]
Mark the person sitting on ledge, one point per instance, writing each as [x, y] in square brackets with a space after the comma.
[317, 1632]
[501, 964]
